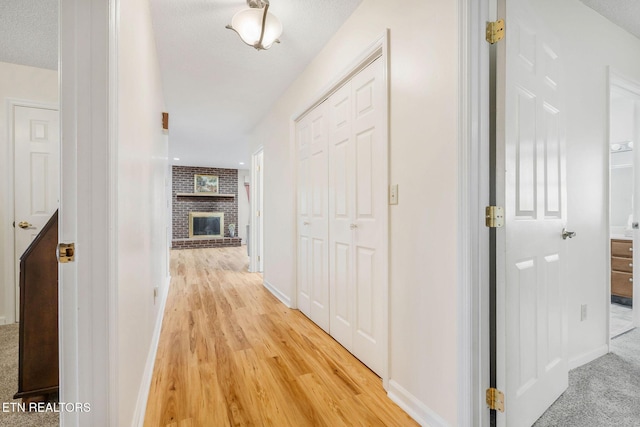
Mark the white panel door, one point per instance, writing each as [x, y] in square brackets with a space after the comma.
[370, 225]
[313, 249]
[532, 368]
[358, 215]
[36, 175]
[341, 216]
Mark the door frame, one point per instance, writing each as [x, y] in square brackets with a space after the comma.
[88, 324]
[474, 171]
[256, 225]
[621, 82]
[379, 49]
[11, 293]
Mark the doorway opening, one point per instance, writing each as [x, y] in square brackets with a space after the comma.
[34, 130]
[624, 128]
[29, 199]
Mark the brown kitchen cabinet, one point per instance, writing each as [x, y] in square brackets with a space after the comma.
[621, 271]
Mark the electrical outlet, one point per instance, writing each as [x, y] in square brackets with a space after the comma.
[393, 194]
[583, 312]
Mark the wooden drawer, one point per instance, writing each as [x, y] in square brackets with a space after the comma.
[621, 284]
[621, 264]
[621, 248]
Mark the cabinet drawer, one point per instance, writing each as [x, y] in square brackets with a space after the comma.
[621, 284]
[622, 264]
[622, 248]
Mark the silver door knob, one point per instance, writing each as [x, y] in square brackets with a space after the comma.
[568, 234]
[353, 226]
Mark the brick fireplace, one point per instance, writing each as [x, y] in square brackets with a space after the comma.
[185, 202]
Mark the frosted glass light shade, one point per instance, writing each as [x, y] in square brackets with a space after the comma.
[248, 24]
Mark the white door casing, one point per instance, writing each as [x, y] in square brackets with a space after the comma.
[358, 215]
[636, 208]
[88, 323]
[36, 137]
[313, 263]
[256, 206]
[532, 366]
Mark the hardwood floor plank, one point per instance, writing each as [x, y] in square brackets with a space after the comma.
[231, 354]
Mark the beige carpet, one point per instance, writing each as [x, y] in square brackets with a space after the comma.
[603, 393]
[9, 385]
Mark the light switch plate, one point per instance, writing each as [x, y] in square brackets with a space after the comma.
[393, 194]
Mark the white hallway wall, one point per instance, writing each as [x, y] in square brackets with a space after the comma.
[28, 84]
[590, 43]
[142, 212]
[423, 162]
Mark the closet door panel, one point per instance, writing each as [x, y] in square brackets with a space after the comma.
[371, 215]
[341, 192]
[319, 221]
[343, 217]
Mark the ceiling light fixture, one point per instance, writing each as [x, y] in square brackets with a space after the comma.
[256, 26]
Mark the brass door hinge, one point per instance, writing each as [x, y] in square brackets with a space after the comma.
[495, 399]
[66, 252]
[494, 216]
[495, 31]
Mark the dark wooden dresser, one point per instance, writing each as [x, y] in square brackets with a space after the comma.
[38, 336]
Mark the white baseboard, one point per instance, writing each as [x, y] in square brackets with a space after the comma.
[145, 385]
[3, 320]
[589, 356]
[417, 410]
[282, 297]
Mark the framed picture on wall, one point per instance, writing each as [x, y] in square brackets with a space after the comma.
[206, 184]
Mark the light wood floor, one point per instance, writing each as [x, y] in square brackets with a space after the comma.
[231, 354]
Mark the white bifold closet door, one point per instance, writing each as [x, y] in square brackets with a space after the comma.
[313, 224]
[343, 217]
[358, 215]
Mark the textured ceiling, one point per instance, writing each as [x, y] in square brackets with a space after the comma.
[624, 13]
[217, 88]
[29, 32]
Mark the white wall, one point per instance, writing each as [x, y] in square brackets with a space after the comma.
[142, 210]
[590, 43]
[243, 205]
[423, 162]
[27, 84]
